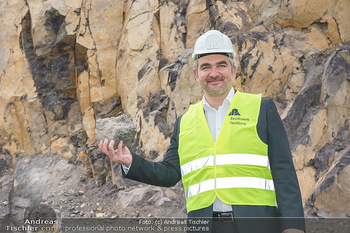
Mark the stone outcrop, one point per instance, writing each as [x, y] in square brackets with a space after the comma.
[37, 180]
[64, 65]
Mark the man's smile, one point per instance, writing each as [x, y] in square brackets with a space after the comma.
[215, 81]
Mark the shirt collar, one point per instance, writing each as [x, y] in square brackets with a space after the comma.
[228, 99]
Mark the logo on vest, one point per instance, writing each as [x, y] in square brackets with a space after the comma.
[235, 118]
[234, 112]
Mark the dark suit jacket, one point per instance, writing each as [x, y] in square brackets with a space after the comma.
[250, 219]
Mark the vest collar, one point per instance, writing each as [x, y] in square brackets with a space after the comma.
[228, 99]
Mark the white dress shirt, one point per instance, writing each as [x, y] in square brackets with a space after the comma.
[215, 118]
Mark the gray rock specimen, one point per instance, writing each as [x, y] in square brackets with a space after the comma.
[115, 128]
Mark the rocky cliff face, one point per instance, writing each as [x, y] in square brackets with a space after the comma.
[65, 64]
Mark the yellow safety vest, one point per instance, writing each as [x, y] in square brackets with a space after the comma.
[235, 168]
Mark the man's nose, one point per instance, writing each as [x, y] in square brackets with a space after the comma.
[214, 72]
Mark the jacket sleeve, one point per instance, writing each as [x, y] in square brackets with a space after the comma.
[165, 173]
[287, 189]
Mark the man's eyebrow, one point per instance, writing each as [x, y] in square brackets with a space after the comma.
[221, 62]
[204, 64]
[218, 63]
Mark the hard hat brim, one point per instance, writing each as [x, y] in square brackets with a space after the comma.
[206, 54]
[198, 55]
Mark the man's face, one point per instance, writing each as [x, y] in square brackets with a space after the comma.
[215, 74]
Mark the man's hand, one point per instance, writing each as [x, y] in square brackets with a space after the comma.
[293, 231]
[121, 154]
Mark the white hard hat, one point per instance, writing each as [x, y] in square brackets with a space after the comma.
[215, 42]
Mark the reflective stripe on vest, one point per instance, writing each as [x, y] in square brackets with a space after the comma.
[230, 182]
[235, 168]
[246, 159]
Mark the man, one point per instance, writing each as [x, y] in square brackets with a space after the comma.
[230, 150]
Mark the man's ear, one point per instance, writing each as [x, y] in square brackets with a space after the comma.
[234, 70]
[195, 74]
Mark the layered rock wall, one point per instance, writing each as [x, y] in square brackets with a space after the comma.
[65, 64]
